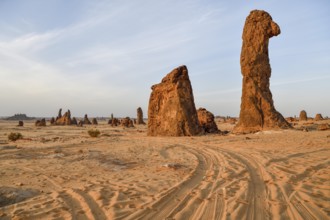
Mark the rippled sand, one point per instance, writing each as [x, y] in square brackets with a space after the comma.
[60, 172]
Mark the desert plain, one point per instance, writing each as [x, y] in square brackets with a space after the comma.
[60, 172]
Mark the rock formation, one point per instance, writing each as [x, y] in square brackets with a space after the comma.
[206, 121]
[63, 120]
[318, 117]
[74, 121]
[94, 121]
[139, 119]
[303, 116]
[172, 110]
[127, 122]
[257, 108]
[20, 124]
[80, 123]
[86, 120]
[52, 121]
[113, 122]
[40, 123]
[59, 115]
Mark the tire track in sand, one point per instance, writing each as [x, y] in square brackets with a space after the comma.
[198, 197]
[256, 195]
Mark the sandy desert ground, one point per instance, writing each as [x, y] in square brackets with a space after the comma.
[59, 172]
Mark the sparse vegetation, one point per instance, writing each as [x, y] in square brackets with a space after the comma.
[94, 133]
[15, 136]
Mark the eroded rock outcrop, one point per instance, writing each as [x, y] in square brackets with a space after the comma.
[20, 124]
[40, 123]
[127, 122]
[303, 116]
[113, 122]
[172, 110]
[94, 121]
[63, 120]
[318, 117]
[206, 121]
[139, 119]
[74, 121]
[86, 120]
[257, 108]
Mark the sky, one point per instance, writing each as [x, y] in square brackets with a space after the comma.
[102, 57]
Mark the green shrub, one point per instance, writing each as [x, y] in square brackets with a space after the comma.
[94, 133]
[14, 136]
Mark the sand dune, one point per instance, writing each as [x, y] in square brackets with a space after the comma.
[59, 172]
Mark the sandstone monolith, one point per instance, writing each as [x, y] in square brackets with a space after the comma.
[303, 116]
[86, 120]
[206, 121]
[139, 119]
[74, 121]
[257, 108]
[94, 121]
[318, 117]
[172, 110]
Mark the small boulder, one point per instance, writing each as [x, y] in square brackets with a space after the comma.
[206, 121]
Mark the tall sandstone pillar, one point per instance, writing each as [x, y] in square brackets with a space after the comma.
[257, 108]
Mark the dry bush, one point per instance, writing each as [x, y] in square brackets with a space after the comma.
[94, 133]
[14, 136]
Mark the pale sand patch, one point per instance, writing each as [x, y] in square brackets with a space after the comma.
[59, 172]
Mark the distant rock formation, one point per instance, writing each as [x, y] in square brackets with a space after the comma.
[303, 116]
[20, 124]
[206, 121]
[65, 119]
[318, 117]
[94, 121]
[172, 110]
[74, 121]
[20, 117]
[80, 123]
[257, 108]
[86, 120]
[127, 122]
[59, 115]
[139, 119]
[113, 122]
[40, 123]
[52, 121]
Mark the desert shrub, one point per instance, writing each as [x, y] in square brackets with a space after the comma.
[14, 136]
[94, 133]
